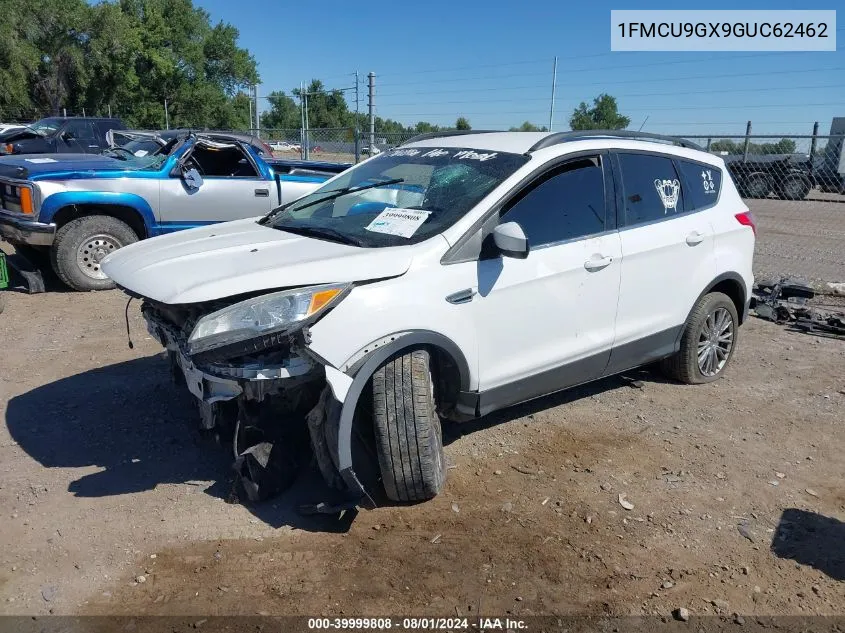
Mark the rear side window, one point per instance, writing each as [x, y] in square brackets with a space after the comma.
[568, 203]
[703, 183]
[651, 188]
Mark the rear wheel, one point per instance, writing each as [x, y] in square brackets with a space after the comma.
[794, 188]
[707, 343]
[409, 443]
[81, 245]
[757, 186]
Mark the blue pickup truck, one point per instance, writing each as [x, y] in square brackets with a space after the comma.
[77, 208]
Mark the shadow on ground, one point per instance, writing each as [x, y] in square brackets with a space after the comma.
[129, 420]
[630, 379]
[811, 539]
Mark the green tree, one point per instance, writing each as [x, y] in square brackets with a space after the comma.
[284, 112]
[527, 126]
[603, 115]
[462, 124]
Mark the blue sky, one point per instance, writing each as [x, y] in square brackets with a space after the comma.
[492, 62]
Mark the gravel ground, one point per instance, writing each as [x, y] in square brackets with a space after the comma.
[113, 504]
[800, 238]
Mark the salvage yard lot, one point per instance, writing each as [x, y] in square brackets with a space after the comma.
[112, 503]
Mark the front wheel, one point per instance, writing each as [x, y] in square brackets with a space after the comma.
[707, 343]
[409, 443]
[81, 245]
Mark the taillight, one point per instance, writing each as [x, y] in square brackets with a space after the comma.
[9, 148]
[747, 219]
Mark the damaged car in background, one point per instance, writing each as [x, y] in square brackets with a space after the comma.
[447, 278]
[68, 211]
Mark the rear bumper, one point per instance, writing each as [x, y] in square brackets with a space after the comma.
[20, 230]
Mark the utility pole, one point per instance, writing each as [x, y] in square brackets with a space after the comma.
[109, 110]
[257, 117]
[302, 121]
[357, 131]
[307, 125]
[166, 116]
[554, 85]
[250, 109]
[372, 105]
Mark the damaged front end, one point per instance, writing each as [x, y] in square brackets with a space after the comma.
[257, 385]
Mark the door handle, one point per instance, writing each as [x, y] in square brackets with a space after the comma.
[262, 193]
[597, 262]
[462, 296]
[694, 238]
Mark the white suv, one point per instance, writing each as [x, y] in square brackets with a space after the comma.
[447, 278]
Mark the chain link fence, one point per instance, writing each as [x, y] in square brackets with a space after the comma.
[794, 185]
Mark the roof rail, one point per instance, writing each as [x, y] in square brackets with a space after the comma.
[564, 137]
[429, 135]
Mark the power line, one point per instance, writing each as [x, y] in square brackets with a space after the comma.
[605, 83]
[643, 109]
[592, 69]
[639, 94]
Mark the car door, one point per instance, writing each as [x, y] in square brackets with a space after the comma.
[667, 257]
[231, 188]
[78, 136]
[546, 322]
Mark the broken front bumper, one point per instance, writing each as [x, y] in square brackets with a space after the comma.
[21, 230]
[216, 382]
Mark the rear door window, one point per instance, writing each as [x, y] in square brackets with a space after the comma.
[703, 183]
[651, 188]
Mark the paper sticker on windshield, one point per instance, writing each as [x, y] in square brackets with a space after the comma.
[40, 160]
[401, 222]
[141, 153]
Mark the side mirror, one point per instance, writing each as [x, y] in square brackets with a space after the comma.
[67, 135]
[510, 239]
[192, 179]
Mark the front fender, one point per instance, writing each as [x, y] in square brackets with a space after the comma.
[361, 372]
[53, 203]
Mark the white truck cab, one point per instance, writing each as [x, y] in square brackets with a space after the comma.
[447, 278]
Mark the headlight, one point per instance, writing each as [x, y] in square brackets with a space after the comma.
[261, 317]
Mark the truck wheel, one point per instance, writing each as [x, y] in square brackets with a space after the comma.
[409, 443]
[708, 341]
[794, 188]
[82, 243]
[757, 186]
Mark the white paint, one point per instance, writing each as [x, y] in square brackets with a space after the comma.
[339, 383]
[40, 161]
[526, 316]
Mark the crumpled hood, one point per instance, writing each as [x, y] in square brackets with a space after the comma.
[232, 258]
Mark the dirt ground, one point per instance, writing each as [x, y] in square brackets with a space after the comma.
[113, 504]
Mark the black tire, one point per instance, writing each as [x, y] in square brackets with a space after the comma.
[684, 366]
[757, 186]
[409, 443]
[794, 188]
[104, 234]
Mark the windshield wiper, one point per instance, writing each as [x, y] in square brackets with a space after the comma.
[335, 193]
[321, 232]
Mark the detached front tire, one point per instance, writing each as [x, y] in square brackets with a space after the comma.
[409, 442]
[81, 245]
[707, 343]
